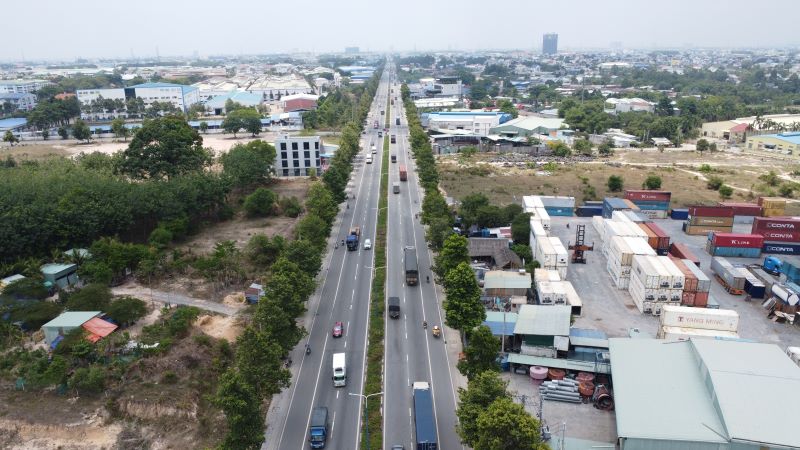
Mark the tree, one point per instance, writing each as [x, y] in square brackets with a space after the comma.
[507, 107]
[463, 307]
[248, 118]
[712, 147]
[119, 129]
[582, 146]
[263, 251]
[276, 321]
[249, 164]
[242, 407]
[469, 207]
[725, 192]
[505, 425]
[290, 206]
[163, 148]
[126, 310]
[480, 353]
[606, 148]
[313, 229]
[481, 391]
[521, 228]
[305, 254]
[702, 145]
[511, 211]
[615, 183]
[320, 202]
[454, 252]
[714, 182]
[81, 131]
[259, 362]
[92, 297]
[10, 138]
[45, 134]
[203, 127]
[91, 379]
[559, 148]
[63, 132]
[260, 203]
[652, 182]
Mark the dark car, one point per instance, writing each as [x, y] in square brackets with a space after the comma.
[338, 329]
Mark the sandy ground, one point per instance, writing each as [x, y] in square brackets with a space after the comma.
[227, 328]
[87, 436]
[220, 143]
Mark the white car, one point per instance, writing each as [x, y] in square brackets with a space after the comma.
[367, 244]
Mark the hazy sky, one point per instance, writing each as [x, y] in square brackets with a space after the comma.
[59, 29]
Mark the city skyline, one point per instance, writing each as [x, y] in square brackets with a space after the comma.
[243, 27]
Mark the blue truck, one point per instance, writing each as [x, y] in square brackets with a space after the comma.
[318, 430]
[424, 420]
[352, 238]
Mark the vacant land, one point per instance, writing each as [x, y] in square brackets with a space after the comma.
[34, 152]
[505, 179]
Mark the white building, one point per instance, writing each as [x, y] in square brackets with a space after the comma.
[181, 96]
[296, 155]
[621, 105]
[273, 88]
[477, 123]
[20, 101]
[21, 86]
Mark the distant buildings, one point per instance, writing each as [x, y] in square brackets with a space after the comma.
[216, 105]
[179, 95]
[780, 143]
[736, 130]
[621, 105]
[477, 123]
[351, 50]
[299, 102]
[528, 126]
[437, 87]
[18, 101]
[297, 155]
[550, 44]
[21, 86]
[273, 88]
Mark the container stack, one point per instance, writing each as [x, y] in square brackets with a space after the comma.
[730, 277]
[679, 323]
[743, 212]
[781, 234]
[704, 219]
[681, 251]
[679, 214]
[656, 237]
[556, 292]
[620, 257]
[611, 204]
[620, 228]
[558, 206]
[655, 282]
[734, 245]
[552, 254]
[531, 202]
[588, 210]
[537, 232]
[772, 206]
[545, 275]
[652, 204]
[696, 286]
[754, 287]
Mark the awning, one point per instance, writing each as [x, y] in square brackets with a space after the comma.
[98, 329]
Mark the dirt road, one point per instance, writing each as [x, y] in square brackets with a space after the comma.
[145, 293]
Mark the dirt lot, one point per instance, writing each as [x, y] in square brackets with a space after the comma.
[34, 152]
[506, 182]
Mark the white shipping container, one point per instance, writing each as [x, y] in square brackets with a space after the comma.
[562, 272]
[618, 216]
[599, 225]
[528, 203]
[537, 231]
[562, 257]
[622, 283]
[682, 334]
[643, 269]
[653, 213]
[545, 253]
[703, 318]
[639, 246]
[637, 288]
[664, 275]
[573, 299]
[551, 292]
[678, 279]
[620, 250]
[542, 214]
[615, 267]
[546, 275]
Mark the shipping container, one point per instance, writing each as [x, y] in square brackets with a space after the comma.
[652, 206]
[772, 202]
[781, 248]
[573, 299]
[545, 253]
[792, 236]
[673, 334]
[545, 275]
[621, 216]
[712, 303]
[652, 238]
[682, 251]
[559, 211]
[611, 204]
[732, 278]
[663, 237]
[711, 221]
[543, 217]
[679, 214]
[680, 316]
[753, 286]
[732, 252]
[589, 211]
[562, 257]
[647, 269]
[710, 211]
[690, 281]
[632, 206]
[694, 299]
[776, 224]
[773, 212]
[551, 293]
[736, 240]
[677, 279]
[658, 196]
[531, 202]
[743, 209]
[599, 224]
[703, 282]
[549, 201]
[765, 278]
[653, 214]
[635, 216]
[696, 230]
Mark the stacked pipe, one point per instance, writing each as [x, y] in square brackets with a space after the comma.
[565, 390]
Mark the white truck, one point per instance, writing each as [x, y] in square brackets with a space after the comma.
[339, 370]
[369, 159]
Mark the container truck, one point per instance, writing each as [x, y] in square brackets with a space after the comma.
[318, 429]
[403, 173]
[410, 263]
[424, 420]
[352, 238]
[728, 276]
[394, 307]
[339, 370]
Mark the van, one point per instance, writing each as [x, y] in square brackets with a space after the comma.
[369, 159]
[396, 187]
[394, 307]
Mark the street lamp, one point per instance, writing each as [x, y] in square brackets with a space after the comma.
[366, 409]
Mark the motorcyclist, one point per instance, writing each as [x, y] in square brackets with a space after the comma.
[428, 277]
[425, 324]
[308, 349]
[342, 242]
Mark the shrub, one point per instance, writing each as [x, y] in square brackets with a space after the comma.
[91, 379]
[160, 237]
[652, 182]
[714, 183]
[291, 206]
[259, 203]
[615, 183]
[725, 191]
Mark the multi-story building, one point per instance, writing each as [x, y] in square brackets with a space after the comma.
[19, 101]
[21, 86]
[297, 155]
[621, 105]
[179, 95]
[438, 87]
[550, 44]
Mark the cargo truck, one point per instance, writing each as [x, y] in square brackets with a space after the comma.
[424, 420]
[394, 307]
[352, 238]
[339, 370]
[318, 429]
[410, 263]
[403, 173]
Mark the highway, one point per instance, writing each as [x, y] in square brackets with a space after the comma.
[412, 353]
[344, 296]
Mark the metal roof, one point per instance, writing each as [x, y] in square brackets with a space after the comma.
[71, 319]
[529, 123]
[501, 324]
[543, 320]
[12, 123]
[792, 138]
[705, 391]
[56, 268]
[184, 88]
[501, 279]
[568, 364]
[588, 338]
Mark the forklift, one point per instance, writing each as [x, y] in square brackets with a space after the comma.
[579, 249]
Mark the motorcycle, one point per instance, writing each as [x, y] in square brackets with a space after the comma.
[308, 350]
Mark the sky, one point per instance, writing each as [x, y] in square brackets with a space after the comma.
[66, 30]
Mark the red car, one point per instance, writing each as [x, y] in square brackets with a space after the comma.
[338, 329]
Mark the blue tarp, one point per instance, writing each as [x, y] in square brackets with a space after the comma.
[498, 329]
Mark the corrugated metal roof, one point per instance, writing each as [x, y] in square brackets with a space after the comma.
[568, 364]
[71, 319]
[500, 279]
[56, 268]
[501, 324]
[588, 338]
[543, 320]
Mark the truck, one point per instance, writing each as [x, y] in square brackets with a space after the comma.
[772, 265]
[394, 158]
[394, 307]
[392, 101]
[375, 125]
[410, 263]
[396, 187]
[318, 429]
[369, 159]
[393, 139]
[403, 173]
[424, 420]
[352, 238]
[397, 121]
[339, 370]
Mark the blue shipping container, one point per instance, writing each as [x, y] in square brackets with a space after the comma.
[559, 211]
[755, 289]
[654, 206]
[736, 252]
[593, 203]
[679, 214]
[781, 248]
[615, 203]
[589, 211]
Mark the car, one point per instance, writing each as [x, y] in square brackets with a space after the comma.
[374, 151]
[338, 330]
[380, 134]
[398, 447]
[367, 244]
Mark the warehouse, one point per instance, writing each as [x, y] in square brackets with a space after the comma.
[781, 143]
[704, 394]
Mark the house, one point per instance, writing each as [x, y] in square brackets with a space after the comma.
[620, 105]
[254, 293]
[66, 322]
[10, 279]
[661, 142]
[61, 275]
[499, 283]
[494, 251]
[543, 329]
[19, 101]
[703, 394]
[478, 123]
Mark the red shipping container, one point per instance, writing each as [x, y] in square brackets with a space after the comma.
[688, 298]
[780, 236]
[743, 209]
[651, 196]
[700, 299]
[690, 283]
[681, 251]
[663, 238]
[710, 211]
[737, 240]
[652, 239]
[775, 224]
